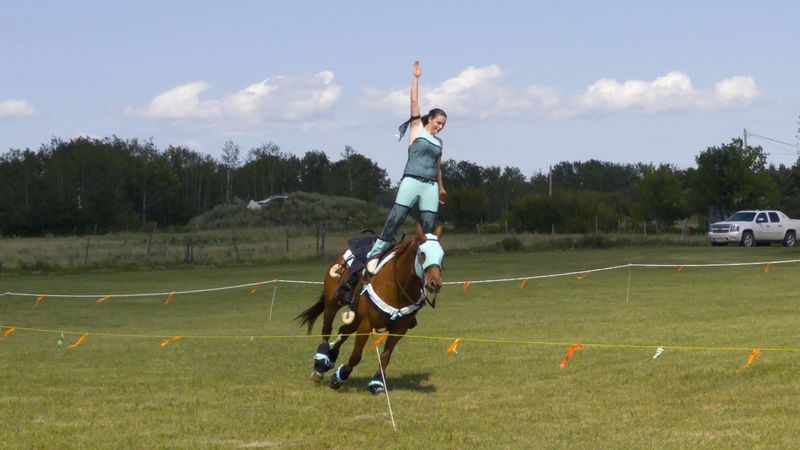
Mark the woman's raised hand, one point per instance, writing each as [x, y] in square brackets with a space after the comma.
[417, 69]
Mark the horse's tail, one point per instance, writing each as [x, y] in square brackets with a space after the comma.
[309, 316]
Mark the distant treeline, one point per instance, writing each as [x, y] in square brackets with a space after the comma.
[98, 185]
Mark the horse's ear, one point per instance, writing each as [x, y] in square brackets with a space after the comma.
[438, 232]
[420, 233]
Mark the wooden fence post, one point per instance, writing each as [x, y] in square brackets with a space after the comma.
[316, 249]
[86, 253]
[149, 243]
[324, 230]
[235, 248]
[189, 256]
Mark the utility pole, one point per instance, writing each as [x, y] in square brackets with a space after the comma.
[745, 140]
[550, 194]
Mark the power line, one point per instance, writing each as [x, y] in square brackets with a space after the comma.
[795, 146]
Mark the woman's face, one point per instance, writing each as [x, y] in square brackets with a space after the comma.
[436, 124]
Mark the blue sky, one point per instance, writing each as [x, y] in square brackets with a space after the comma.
[525, 84]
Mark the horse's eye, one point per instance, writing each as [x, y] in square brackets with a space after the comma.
[422, 257]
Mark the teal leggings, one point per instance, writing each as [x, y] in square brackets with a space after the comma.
[410, 192]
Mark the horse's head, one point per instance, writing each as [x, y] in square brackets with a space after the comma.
[429, 260]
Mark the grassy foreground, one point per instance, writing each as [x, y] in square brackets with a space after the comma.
[239, 380]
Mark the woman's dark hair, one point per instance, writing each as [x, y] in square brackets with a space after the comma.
[432, 114]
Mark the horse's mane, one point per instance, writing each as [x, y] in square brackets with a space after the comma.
[404, 245]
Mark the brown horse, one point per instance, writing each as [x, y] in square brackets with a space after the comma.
[389, 300]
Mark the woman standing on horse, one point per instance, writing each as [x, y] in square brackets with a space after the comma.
[422, 176]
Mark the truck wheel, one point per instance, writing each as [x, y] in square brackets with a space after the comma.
[747, 239]
[790, 239]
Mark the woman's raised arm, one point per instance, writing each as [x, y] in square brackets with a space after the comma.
[415, 90]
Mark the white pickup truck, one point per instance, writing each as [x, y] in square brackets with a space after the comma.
[755, 227]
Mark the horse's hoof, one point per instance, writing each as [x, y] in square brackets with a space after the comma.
[348, 317]
[335, 385]
[317, 377]
[377, 390]
[376, 386]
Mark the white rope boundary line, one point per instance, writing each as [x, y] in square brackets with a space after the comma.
[535, 277]
[622, 266]
[161, 294]
[496, 280]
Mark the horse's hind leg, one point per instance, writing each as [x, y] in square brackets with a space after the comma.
[324, 360]
[327, 353]
[328, 350]
[343, 372]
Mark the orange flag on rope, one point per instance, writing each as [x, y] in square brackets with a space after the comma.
[79, 341]
[572, 349]
[9, 331]
[524, 282]
[378, 338]
[466, 285]
[39, 300]
[104, 298]
[166, 342]
[584, 275]
[255, 288]
[169, 298]
[752, 357]
[680, 268]
[452, 347]
[766, 268]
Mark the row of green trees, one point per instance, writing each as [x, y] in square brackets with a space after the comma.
[90, 185]
[594, 195]
[97, 185]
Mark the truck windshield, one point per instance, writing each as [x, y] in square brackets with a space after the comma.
[741, 217]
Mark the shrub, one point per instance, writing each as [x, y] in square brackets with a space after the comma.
[301, 209]
[512, 244]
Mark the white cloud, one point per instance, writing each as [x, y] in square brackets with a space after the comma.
[182, 102]
[281, 98]
[478, 92]
[16, 108]
[468, 93]
[393, 101]
[671, 92]
[735, 91]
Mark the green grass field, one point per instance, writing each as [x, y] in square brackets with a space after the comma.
[239, 380]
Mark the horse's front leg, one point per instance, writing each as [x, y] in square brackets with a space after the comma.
[378, 385]
[343, 372]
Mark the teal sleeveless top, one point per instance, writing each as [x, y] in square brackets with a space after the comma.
[422, 156]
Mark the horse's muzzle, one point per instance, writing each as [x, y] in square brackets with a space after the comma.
[433, 279]
[433, 286]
